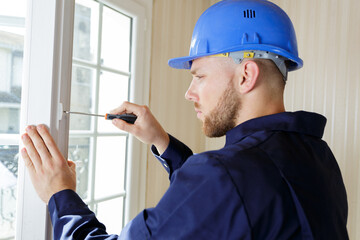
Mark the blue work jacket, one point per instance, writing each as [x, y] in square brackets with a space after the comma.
[274, 179]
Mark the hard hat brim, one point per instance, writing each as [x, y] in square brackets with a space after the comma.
[185, 62]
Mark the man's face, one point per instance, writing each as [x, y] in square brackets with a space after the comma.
[214, 94]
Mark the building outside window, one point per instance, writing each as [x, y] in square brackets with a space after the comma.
[12, 31]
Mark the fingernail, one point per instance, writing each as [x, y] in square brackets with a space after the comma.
[24, 136]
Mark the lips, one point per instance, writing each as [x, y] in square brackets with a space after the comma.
[197, 110]
[198, 113]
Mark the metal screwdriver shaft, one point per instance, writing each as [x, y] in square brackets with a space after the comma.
[129, 118]
[87, 114]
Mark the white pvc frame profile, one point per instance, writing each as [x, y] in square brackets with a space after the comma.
[46, 91]
[46, 79]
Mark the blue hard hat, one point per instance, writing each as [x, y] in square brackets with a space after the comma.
[238, 25]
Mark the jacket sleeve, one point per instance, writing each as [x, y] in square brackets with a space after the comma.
[72, 219]
[192, 208]
[174, 156]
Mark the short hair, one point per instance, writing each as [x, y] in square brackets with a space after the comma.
[271, 76]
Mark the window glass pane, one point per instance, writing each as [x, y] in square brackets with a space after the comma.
[11, 53]
[79, 152]
[115, 47]
[110, 166]
[113, 91]
[10, 114]
[8, 178]
[113, 221]
[12, 31]
[82, 84]
[98, 147]
[86, 24]
[13, 8]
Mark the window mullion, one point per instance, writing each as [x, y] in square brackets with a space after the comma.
[88, 64]
[91, 134]
[96, 105]
[110, 197]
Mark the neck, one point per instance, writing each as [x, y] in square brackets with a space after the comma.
[265, 98]
[255, 109]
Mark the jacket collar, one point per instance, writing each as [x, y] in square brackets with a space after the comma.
[300, 122]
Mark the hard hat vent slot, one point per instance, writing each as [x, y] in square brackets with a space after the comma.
[249, 13]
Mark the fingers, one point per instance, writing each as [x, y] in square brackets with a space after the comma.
[132, 108]
[41, 147]
[31, 152]
[127, 107]
[146, 128]
[38, 143]
[49, 171]
[71, 164]
[122, 125]
[121, 109]
[49, 142]
[28, 163]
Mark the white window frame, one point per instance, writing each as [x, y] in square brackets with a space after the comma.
[46, 92]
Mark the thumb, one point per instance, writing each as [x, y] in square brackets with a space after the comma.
[72, 165]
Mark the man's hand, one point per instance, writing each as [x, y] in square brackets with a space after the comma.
[50, 172]
[146, 128]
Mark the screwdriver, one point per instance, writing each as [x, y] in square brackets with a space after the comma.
[129, 118]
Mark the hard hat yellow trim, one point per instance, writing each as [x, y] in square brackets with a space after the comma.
[246, 55]
[220, 55]
[249, 55]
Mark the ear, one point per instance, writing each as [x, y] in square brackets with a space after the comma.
[249, 76]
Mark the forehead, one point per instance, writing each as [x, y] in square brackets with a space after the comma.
[209, 64]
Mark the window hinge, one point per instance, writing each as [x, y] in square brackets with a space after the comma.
[60, 111]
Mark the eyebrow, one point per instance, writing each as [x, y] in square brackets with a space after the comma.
[195, 71]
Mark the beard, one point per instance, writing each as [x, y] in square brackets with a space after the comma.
[223, 117]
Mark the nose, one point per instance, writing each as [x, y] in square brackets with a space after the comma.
[190, 93]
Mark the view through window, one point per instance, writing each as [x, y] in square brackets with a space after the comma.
[100, 82]
[12, 31]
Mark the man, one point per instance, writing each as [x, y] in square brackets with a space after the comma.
[274, 179]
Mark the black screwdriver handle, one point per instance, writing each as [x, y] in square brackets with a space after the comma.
[129, 118]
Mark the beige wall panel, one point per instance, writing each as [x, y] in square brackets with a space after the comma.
[173, 22]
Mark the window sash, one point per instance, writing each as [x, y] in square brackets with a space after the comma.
[93, 133]
[45, 93]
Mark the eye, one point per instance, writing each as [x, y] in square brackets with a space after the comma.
[198, 77]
